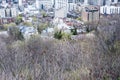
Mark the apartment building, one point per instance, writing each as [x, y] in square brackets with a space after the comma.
[40, 4]
[2, 13]
[61, 8]
[7, 15]
[90, 13]
[99, 2]
[110, 10]
[8, 12]
[0, 1]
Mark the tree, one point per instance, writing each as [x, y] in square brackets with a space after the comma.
[42, 27]
[28, 24]
[58, 35]
[18, 19]
[74, 31]
[79, 18]
[6, 26]
[15, 33]
[50, 59]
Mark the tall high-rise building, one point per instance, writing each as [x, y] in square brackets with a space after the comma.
[100, 2]
[60, 3]
[0, 1]
[37, 4]
[86, 2]
[20, 2]
[40, 4]
[115, 1]
[74, 1]
[95, 2]
[61, 8]
[15, 1]
[2, 13]
[9, 1]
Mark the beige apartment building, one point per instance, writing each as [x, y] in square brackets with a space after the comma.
[90, 13]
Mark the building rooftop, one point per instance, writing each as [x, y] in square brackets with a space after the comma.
[91, 8]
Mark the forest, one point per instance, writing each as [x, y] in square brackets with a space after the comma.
[94, 57]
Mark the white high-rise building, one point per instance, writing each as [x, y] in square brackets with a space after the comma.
[61, 8]
[37, 4]
[95, 2]
[46, 4]
[20, 2]
[8, 12]
[85, 2]
[115, 1]
[60, 3]
[110, 10]
[14, 12]
[100, 2]
[2, 13]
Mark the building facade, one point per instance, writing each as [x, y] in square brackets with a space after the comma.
[7, 15]
[90, 14]
[61, 8]
[100, 2]
[44, 4]
[110, 10]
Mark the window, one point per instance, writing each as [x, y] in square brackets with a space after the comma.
[110, 11]
[103, 10]
[119, 10]
[15, 1]
[70, 1]
[104, 2]
[0, 1]
[115, 10]
[112, 0]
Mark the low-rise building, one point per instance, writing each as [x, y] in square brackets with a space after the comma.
[67, 24]
[27, 32]
[31, 9]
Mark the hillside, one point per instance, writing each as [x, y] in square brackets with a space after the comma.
[94, 57]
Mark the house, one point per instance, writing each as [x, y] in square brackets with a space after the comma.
[31, 9]
[27, 32]
[48, 32]
[67, 24]
[90, 13]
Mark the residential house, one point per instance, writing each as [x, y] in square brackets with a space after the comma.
[67, 24]
[28, 32]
